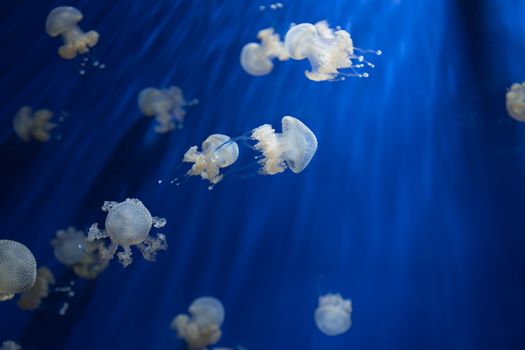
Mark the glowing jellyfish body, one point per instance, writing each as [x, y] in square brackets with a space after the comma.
[333, 315]
[515, 101]
[202, 327]
[10, 345]
[35, 125]
[128, 223]
[256, 59]
[166, 105]
[17, 269]
[63, 21]
[32, 298]
[328, 51]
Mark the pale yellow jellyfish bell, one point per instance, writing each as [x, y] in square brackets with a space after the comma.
[35, 125]
[294, 148]
[32, 298]
[256, 59]
[333, 314]
[515, 101]
[17, 269]
[63, 21]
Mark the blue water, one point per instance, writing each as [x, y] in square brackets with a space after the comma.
[413, 206]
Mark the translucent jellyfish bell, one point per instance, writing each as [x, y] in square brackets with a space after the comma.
[128, 223]
[327, 50]
[256, 59]
[332, 316]
[32, 298]
[293, 148]
[206, 311]
[515, 101]
[35, 125]
[17, 269]
[63, 21]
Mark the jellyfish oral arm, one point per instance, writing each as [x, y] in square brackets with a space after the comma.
[150, 246]
[96, 233]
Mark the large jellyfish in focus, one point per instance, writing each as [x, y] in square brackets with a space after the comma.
[256, 59]
[166, 105]
[32, 298]
[35, 125]
[516, 101]
[202, 327]
[17, 269]
[128, 223]
[72, 248]
[332, 316]
[63, 21]
[327, 50]
[10, 345]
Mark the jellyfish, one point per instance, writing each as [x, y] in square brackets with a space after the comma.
[516, 101]
[166, 105]
[256, 59]
[72, 248]
[10, 345]
[332, 316]
[17, 269]
[202, 327]
[32, 298]
[36, 125]
[327, 50]
[63, 21]
[128, 223]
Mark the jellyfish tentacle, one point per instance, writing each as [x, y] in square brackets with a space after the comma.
[150, 246]
[158, 222]
[108, 205]
[96, 233]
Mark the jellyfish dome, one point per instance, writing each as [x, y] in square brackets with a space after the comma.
[332, 316]
[63, 21]
[128, 223]
[218, 151]
[256, 59]
[516, 101]
[206, 311]
[35, 125]
[32, 298]
[293, 148]
[17, 269]
[10, 345]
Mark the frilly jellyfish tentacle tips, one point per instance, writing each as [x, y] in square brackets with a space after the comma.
[17, 269]
[333, 315]
[515, 101]
[35, 125]
[128, 223]
[32, 298]
[256, 59]
[63, 21]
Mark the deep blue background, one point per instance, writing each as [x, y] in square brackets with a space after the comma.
[414, 205]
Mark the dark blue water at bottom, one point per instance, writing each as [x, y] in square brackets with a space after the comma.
[413, 206]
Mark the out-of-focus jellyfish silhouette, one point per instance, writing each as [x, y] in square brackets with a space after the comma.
[202, 326]
[72, 248]
[256, 59]
[166, 105]
[63, 21]
[17, 269]
[35, 125]
[333, 313]
[327, 50]
[32, 298]
[516, 101]
[128, 223]
[273, 6]
[10, 345]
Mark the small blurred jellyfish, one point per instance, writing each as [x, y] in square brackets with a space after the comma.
[32, 298]
[516, 101]
[166, 105]
[10, 345]
[327, 50]
[35, 125]
[274, 6]
[17, 269]
[333, 313]
[63, 21]
[128, 223]
[256, 59]
[72, 248]
[202, 327]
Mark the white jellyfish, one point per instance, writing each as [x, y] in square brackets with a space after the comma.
[32, 298]
[128, 223]
[10, 345]
[202, 327]
[327, 50]
[166, 105]
[17, 269]
[333, 313]
[72, 248]
[256, 59]
[63, 21]
[516, 101]
[35, 125]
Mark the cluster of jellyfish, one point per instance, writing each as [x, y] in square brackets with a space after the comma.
[329, 52]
